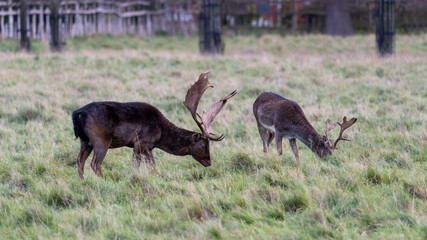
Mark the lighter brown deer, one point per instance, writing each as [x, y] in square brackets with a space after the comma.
[278, 117]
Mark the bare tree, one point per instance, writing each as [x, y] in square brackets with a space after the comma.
[338, 22]
[385, 26]
[25, 41]
[210, 27]
[54, 6]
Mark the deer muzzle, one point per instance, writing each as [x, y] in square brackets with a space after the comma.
[205, 163]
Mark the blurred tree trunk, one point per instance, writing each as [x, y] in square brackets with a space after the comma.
[338, 22]
[385, 26]
[25, 41]
[210, 27]
[55, 42]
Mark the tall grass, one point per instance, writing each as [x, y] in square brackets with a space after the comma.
[373, 187]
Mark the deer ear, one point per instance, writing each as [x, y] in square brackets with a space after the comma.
[196, 137]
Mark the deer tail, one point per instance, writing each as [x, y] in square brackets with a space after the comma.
[79, 120]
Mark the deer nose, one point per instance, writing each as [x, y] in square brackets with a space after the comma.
[206, 163]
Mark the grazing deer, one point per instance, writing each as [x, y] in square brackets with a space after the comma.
[141, 126]
[278, 117]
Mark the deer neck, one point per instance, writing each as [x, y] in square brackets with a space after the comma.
[174, 140]
[312, 139]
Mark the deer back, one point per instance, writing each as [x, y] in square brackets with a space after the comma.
[284, 115]
[121, 122]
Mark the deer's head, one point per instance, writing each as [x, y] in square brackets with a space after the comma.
[329, 148]
[199, 149]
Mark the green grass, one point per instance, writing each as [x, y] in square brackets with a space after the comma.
[374, 186]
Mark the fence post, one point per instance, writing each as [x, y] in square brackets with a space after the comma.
[11, 23]
[385, 26]
[294, 16]
[41, 21]
[33, 27]
[3, 32]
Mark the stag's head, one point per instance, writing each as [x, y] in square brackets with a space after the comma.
[329, 148]
[199, 149]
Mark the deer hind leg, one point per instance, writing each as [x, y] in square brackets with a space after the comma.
[85, 150]
[270, 137]
[100, 150]
[279, 144]
[263, 132]
[98, 157]
[293, 143]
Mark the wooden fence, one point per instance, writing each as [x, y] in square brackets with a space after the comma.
[148, 17]
[87, 17]
[310, 15]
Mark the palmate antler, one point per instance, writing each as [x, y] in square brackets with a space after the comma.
[194, 94]
[329, 127]
[192, 100]
[344, 125]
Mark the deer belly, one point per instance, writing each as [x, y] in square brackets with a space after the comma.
[288, 136]
[116, 143]
[285, 132]
[271, 128]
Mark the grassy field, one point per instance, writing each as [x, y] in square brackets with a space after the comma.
[373, 187]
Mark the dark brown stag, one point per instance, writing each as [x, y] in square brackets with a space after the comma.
[141, 126]
[278, 117]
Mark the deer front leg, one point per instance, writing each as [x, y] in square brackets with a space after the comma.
[142, 150]
[136, 159]
[293, 143]
[149, 157]
[279, 144]
[137, 153]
